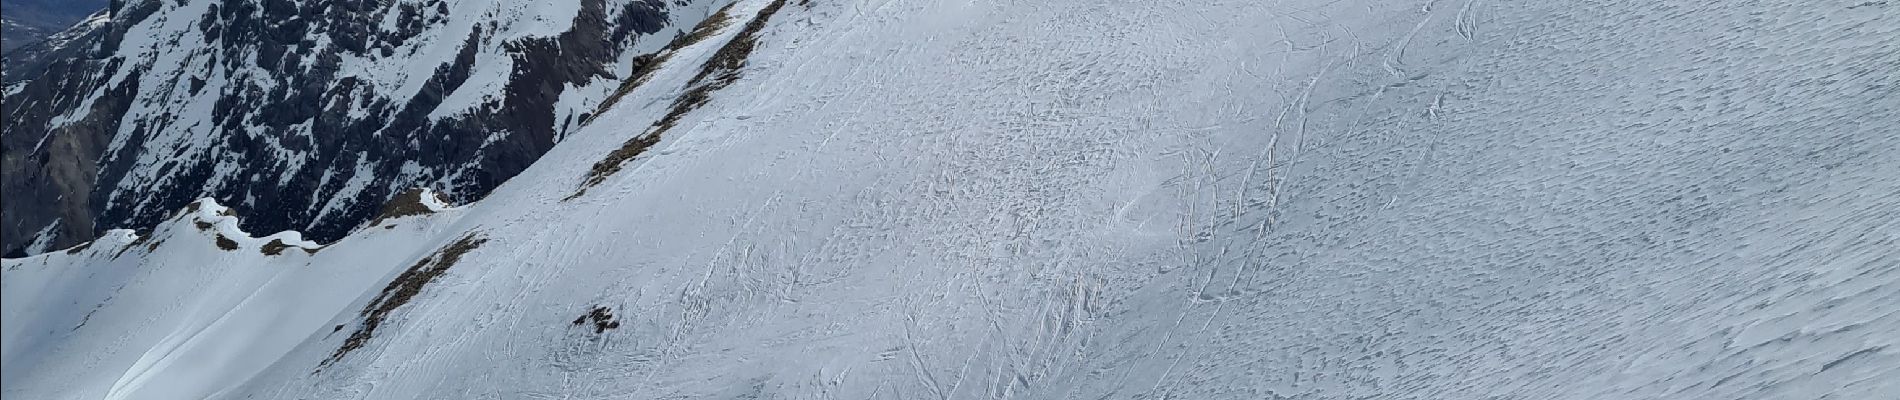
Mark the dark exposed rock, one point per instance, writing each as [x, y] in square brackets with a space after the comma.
[47, 174]
[287, 143]
[408, 203]
[226, 243]
[601, 317]
[274, 247]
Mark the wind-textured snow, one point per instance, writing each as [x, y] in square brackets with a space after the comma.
[1077, 199]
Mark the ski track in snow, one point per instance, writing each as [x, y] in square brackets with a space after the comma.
[1070, 199]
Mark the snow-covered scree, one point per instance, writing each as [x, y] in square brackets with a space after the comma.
[1076, 199]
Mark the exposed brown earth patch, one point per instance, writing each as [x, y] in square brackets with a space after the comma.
[402, 289]
[408, 203]
[644, 65]
[226, 243]
[717, 73]
[275, 247]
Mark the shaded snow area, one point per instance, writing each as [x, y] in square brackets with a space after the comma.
[1070, 199]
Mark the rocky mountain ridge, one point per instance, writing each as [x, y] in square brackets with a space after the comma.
[308, 115]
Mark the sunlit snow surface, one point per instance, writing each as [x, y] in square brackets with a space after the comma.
[1083, 199]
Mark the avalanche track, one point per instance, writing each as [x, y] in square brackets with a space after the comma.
[903, 199]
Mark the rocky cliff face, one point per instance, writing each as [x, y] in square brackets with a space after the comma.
[307, 115]
[24, 22]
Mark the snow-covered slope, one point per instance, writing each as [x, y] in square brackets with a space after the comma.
[306, 114]
[220, 306]
[1078, 199]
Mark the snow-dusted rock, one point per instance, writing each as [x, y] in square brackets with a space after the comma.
[306, 114]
